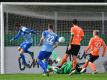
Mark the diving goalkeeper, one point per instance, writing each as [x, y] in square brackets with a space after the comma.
[66, 68]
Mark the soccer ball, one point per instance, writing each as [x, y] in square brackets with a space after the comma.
[61, 39]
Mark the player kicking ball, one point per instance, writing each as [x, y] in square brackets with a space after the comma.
[73, 47]
[49, 42]
[26, 44]
[94, 46]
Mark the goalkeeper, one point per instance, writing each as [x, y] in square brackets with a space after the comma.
[66, 68]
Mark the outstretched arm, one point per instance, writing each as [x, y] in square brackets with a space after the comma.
[33, 31]
[104, 49]
[17, 36]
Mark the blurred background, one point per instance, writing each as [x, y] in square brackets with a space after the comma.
[38, 17]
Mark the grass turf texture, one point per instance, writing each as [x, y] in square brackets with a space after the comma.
[99, 76]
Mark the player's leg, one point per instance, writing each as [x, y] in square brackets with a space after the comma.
[23, 57]
[21, 51]
[64, 59]
[47, 58]
[41, 57]
[84, 66]
[79, 68]
[20, 47]
[86, 63]
[74, 52]
[26, 47]
[48, 54]
[74, 62]
[92, 65]
[89, 62]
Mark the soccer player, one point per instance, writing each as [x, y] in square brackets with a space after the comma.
[49, 41]
[65, 68]
[73, 47]
[95, 44]
[26, 44]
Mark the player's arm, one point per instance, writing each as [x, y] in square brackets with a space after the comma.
[56, 43]
[104, 49]
[82, 34]
[89, 46]
[42, 38]
[71, 38]
[33, 31]
[17, 36]
[86, 50]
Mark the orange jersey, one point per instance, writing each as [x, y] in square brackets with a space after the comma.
[78, 34]
[95, 44]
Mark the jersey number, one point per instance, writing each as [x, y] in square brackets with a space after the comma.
[50, 39]
[97, 45]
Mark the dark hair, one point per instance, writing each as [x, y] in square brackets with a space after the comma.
[74, 21]
[18, 25]
[50, 26]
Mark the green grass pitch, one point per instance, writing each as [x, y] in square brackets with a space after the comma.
[99, 76]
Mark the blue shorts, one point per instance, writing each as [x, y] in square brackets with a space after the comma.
[44, 55]
[25, 46]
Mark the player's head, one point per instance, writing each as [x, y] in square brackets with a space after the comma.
[50, 27]
[95, 32]
[74, 22]
[18, 25]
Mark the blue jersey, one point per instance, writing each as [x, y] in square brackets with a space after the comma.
[50, 38]
[25, 33]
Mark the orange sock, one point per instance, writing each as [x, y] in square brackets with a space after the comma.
[64, 59]
[74, 63]
[92, 66]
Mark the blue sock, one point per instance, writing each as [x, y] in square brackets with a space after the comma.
[29, 52]
[23, 58]
[40, 62]
[46, 64]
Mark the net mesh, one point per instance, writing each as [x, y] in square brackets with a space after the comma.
[62, 22]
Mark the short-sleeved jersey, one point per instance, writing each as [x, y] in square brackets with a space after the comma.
[50, 38]
[78, 34]
[95, 43]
